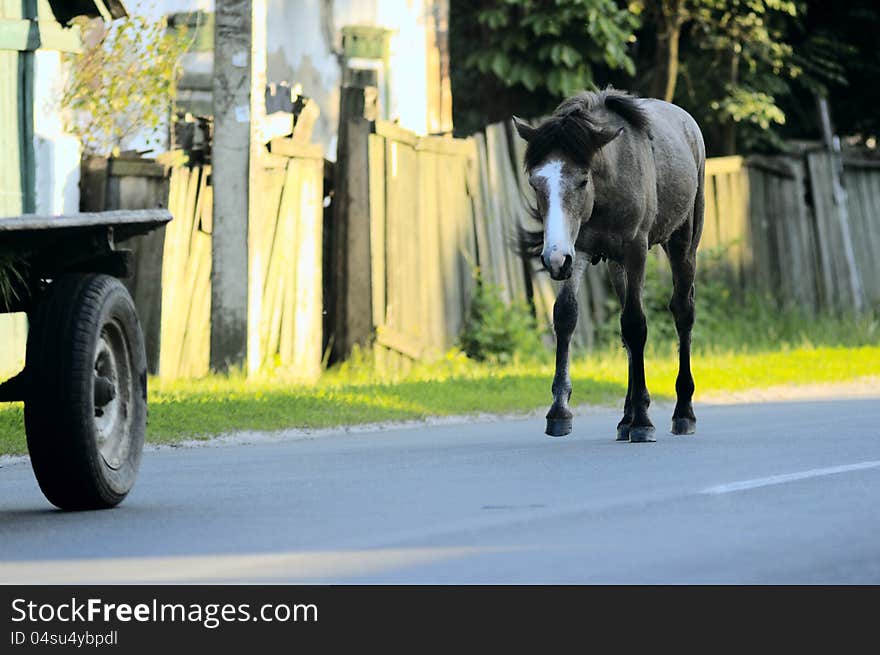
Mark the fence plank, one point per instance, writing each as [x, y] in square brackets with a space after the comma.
[481, 209]
[710, 222]
[185, 329]
[431, 291]
[829, 240]
[376, 156]
[308, 304]
[506, 208]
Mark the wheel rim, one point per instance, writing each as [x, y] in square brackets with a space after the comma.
[112, 391]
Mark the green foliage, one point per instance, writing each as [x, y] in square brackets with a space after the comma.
[835, 44]
[753, 110]
[729, 318]
[747, 44]
[123, 82]
[748, 69]
[498, 331]
[733, 59]
[745, 28]
[551, 45]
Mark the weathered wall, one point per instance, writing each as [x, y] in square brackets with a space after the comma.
[304, 47]
[57, 152]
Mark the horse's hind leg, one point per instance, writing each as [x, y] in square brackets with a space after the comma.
[682, 258]
[634, 329]
[564, 321]
[618, 281]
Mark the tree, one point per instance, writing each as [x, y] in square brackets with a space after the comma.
[667, 17]
[526, 55]
[123, 82]
[742, 35]
[738, 52]
[835, 45]
[748, 70]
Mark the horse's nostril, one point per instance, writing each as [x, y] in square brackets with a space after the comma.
[566, 266]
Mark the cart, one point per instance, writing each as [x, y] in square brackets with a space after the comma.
[84, 383]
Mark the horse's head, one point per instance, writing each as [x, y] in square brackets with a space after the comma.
[558, 162]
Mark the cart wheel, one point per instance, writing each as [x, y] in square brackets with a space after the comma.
[86, 409]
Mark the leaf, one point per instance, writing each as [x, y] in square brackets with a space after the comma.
[551, 45]
[500, 65]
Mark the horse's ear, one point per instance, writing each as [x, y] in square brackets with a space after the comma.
[604, 136]
[525, 130]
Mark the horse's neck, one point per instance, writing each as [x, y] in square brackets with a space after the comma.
[622, 171]
[606, 175]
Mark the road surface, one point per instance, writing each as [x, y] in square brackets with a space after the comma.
[767, 493]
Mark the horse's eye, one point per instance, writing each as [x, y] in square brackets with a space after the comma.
[582, 184]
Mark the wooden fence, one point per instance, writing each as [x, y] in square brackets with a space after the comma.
[172, 285]
[725, 223]
[409, 250]
[421, 239]
[419, 217]
[797, 238]
[186, 276]
[285, 298]
[862, 181]
[423, 215]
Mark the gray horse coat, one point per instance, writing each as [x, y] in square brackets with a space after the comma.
[614, 175]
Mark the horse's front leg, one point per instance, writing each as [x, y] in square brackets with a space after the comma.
[565, 312]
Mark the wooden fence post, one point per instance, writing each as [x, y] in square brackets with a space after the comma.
[832, 144]
[349, 267]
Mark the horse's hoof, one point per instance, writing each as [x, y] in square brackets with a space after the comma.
[558, 427]
[622, 433]
[641, 434]
[684, 425]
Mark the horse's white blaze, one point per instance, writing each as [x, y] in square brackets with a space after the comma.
[555, 228]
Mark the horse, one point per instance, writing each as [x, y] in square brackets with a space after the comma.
[614, 175]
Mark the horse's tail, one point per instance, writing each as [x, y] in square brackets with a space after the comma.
[699, 206]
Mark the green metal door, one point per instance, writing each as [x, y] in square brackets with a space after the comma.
[25, 27]
[13, 328]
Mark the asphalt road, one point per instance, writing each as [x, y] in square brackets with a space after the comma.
[765, 493]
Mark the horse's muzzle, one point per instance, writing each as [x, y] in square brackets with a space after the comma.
[558, 265]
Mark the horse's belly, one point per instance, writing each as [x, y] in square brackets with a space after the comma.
[676, 204]
[600, 243]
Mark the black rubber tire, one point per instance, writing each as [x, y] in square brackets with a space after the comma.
[59, 412]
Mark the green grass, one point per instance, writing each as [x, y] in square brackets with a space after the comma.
[355, 393]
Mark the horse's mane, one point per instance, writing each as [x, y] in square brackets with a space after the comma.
[576, 125]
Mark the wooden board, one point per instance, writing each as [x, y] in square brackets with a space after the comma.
[186, 278]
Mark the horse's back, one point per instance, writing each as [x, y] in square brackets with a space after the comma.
[679, 158]
[675, 133]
